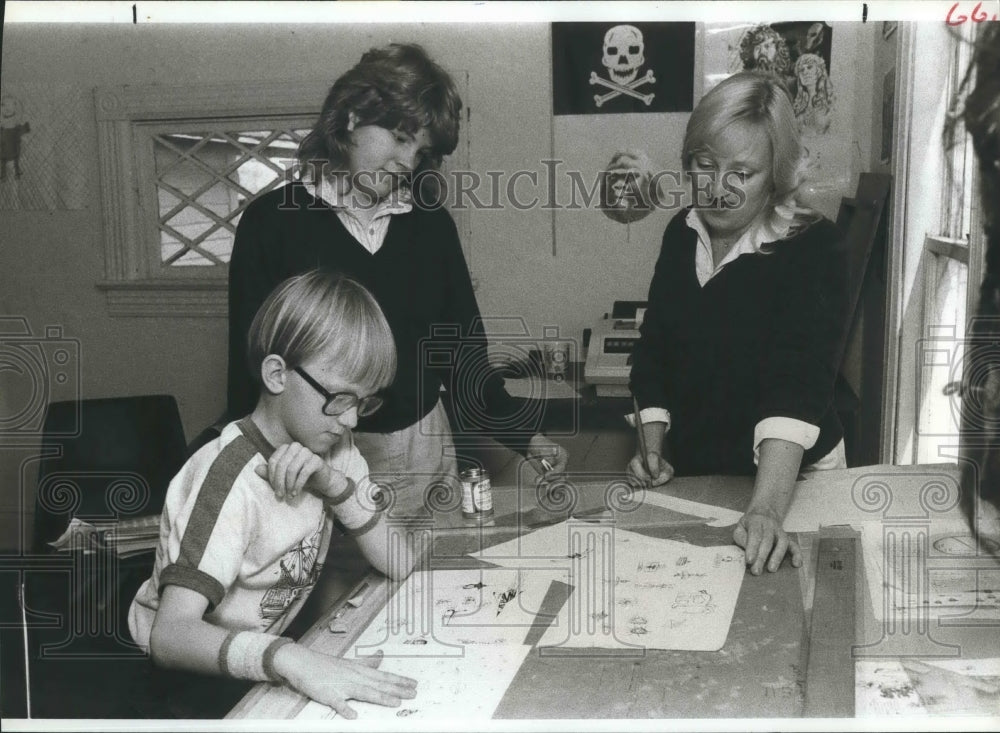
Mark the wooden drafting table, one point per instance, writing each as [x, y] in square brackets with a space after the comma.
[773, 665]
[759, 669]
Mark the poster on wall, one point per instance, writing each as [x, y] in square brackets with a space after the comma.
[615, 68]
[809, 46]
[800, 55]
[42, 147]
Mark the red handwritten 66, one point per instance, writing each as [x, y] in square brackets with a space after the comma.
[978, 15]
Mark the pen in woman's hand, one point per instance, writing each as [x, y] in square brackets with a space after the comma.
[642, 439]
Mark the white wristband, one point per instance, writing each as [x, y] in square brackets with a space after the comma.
[249, 655]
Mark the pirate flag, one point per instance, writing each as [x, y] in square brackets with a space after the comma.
[611, 68]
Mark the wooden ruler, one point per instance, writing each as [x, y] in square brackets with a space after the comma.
[830, 671]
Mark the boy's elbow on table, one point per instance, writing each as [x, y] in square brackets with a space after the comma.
[395, 560]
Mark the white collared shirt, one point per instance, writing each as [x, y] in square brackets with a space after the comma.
[751, 242]
[372, 234]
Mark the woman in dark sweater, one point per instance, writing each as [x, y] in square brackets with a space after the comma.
[745, 329]
[358, 209]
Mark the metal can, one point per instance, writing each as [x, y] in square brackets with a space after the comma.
[477, 494]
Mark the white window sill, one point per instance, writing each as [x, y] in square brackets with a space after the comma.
[180, 298]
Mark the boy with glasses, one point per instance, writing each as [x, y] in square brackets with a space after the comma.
[248, 519]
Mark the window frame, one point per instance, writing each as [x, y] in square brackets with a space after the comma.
[959, 243]
[151, 182]
[132, 284]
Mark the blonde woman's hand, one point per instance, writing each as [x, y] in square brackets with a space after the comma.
[659, 473]
[760, 534]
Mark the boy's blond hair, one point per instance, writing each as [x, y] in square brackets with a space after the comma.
[318, 309]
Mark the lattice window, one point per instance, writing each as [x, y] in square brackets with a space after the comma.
[203, 182]
[179, 165]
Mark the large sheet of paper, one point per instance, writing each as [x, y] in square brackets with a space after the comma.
[555, 546]
[630, 590]
[467, 688]
[931, 571]
[447, 611]
[716, 516]
[867, 493]
[659, 594]
[460, 633]
[463, 634]
[923, 687]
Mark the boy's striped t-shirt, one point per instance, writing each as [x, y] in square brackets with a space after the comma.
[225, 535]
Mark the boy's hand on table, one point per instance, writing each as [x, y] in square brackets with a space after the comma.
[293, 467]
[760, 534]
[333, 680]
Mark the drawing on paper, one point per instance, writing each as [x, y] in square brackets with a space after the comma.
[451, 608]
[486, 613]
[964, 544]
[700, 602]
[684, 575]
[707, 584]
[946, 576]
[503, 599]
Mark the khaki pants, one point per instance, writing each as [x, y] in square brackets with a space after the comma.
[412, 462]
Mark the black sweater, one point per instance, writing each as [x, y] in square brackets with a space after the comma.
[763, 338]
[420, 279]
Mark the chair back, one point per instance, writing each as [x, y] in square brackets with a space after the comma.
[105, 459]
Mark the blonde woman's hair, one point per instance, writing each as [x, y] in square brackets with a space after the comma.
[759, 99]
[311, 312]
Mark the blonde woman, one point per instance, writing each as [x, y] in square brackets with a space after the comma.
[744, 334]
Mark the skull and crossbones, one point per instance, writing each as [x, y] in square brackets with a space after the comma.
[623, 55]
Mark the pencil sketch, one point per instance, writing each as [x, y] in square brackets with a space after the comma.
[946, 576]
[700, 602]
[441, 611]
[660, 602]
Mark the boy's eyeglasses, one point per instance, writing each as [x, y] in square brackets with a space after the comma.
[337, 403]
